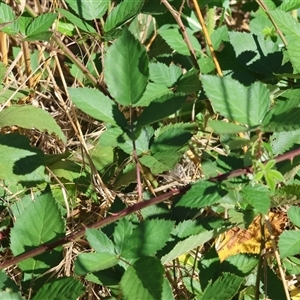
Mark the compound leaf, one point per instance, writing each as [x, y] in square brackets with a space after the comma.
[126, 69]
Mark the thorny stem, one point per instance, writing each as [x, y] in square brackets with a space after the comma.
[134, 208]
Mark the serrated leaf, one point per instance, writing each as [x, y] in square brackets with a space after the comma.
[288, 5]
[160, 108]
[201, 194]
[175, 40]
[156, 166]
[225, 287]
[221, 127]
[286, 121]
[191, 243]
[189, 82]
[7, 19]
[97, 105]
[283, 141]
[41, 223]
[293, 47]
[162, 74]
[241, 264]
[40, 24]
[287, 24]
[23, 163]
[172, 139]
[152, 92]
[8, 288]
[258, 196]
[122, 231]
[93, 262]
[289, 243]
[89, 9]
[146, 239]
[43, 36]
[246, 105]
[122, 13]
[30, 117]
[126, 69]
[66, 287]
[81, 24]
[294, 215]
[136, 282]
[99, 241]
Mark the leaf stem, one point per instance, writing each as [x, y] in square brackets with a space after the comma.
[264, 7]
[207, 37]
[177, 18]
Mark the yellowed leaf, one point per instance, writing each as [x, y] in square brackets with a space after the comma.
[239, 240]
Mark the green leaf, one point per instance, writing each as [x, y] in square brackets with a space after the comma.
[99, 241]
[43, 36]
[122, 13]
[294, 215]
[241, 264]
[141, 143]
[126, 69]
[246, 105]
[7, 19]
[225, 287]
[157, 166]
[172, 139]
[201, 194]
[30, 117]
[136, 282]
[81, 24]
[160, 108]
[289, 243]
[191, 243]
[162, 74]
[60, 288]
[41, 223]
[283, 141]
[175, 40]
[153, 91]
[258, 196]
[122, 232]
[189, 82]
[89, 9]
[293, 47]
[287, 24]
[41, 24]
[279, 121]
[97, 105]
[272, 285]
[146, 239]
[93, 262]
[288, 5]
[221, 127]
[23, 163]
[8, 288]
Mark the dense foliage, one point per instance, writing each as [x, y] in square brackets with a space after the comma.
[150, 149]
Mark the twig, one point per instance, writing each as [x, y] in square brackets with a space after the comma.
[75, 235]
[264, 7]
[277, 256]
[136, 207]
[177, 18]
[207, 37]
